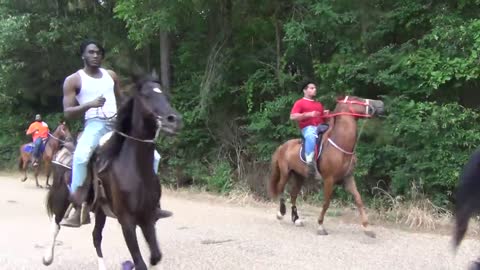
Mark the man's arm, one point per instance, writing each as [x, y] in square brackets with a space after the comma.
[116, 88]
[31, 129]
[71, 109]
[302, 116]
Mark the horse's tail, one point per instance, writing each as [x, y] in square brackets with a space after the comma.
[57, 196]
[275, 174]
[467, 198]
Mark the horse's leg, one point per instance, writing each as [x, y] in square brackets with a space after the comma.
[59, 212]
[296, 187]
[47, 172]
[351, 187]
[283, 208]
[151, 237]
[128, 229]
[327, 194]
[37, 172]
[284, 175]
[97, 237]
[24, 168]
[54, 230]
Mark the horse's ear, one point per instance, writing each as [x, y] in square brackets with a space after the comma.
[137, 74]
[154, 74]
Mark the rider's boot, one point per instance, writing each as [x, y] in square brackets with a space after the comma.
[311, 167]
[75, 220]
[81, 215]
[159, 213]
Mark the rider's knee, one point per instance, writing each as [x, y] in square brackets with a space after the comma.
[310, 137]
[82, 156]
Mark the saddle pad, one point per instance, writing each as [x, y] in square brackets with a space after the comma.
[28, 148]
[64, 158]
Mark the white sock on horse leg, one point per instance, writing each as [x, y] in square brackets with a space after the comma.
[101, 264]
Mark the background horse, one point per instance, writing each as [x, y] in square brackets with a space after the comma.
[467, 200]
[336, 163]
[131, 187]
[53, 144]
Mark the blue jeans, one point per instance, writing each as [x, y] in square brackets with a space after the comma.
[94, 130]
[310, 135]
[37, 146]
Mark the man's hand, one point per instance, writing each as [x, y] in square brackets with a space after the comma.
[313, 114]
[98, 102]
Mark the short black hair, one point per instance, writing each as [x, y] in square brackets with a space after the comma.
[87, 42]
[306, 83]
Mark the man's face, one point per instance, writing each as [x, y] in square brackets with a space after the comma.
[92, 56]
[310, 91]
[38, 118]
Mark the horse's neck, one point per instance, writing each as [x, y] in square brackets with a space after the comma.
[141, 152]
[53, 142]
[141, 127]
[344, 132]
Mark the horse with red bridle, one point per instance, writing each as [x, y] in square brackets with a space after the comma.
[335, 163]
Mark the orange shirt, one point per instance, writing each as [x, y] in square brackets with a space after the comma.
[41, 130]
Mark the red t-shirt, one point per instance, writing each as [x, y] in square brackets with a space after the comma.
[305, 105]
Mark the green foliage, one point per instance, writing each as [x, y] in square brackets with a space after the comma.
[421, 143]
[236, 66]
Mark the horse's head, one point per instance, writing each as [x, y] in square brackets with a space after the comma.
[359, 107]
[157, 106]
[62, 132]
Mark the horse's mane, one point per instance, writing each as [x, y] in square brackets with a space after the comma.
[123, 124]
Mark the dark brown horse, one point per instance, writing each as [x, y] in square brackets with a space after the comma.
[54, 142]
[336, 163]
[131, 187]
[467, 200]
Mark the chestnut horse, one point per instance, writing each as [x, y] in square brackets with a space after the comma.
[336, 163]
[53, 144]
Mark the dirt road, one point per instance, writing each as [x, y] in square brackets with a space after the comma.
[207, 233]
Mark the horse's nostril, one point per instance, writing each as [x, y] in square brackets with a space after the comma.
[171, 118]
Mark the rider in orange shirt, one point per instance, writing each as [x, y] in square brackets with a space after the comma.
[39, 131]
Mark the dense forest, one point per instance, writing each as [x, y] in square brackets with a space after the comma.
[233, 69]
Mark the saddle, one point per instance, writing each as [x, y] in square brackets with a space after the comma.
[93, 188]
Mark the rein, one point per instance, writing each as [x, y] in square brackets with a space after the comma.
[157, 132]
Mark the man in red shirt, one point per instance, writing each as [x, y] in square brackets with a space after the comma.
[309, 115]
[39, 131]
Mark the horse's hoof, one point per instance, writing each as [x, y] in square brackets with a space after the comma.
[47, 262]
[370, 233]
[39, 186]
[321, 230]
[48, 186]
[279, 215]
[127, 265]
[24, 179]
[475, 265]
[299, 223]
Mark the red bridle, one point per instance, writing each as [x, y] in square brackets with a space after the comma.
[350, 102]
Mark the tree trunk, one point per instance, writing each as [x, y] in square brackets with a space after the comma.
[278, 39]
[165, 59]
